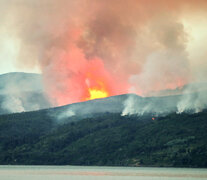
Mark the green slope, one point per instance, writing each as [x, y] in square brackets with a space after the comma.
[105, 139]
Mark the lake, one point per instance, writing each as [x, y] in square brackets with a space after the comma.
[99, 173]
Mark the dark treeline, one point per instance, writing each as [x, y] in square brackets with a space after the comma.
[34, 138]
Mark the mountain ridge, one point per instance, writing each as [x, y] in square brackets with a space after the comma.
[95, 132]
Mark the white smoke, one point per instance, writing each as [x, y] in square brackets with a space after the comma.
[21, 92]
[66, 114]
[12, 104]
[194, 98]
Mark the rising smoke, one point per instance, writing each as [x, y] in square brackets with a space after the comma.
[21, 92]
[134, 46]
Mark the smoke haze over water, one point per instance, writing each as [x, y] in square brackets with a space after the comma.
[134, 46]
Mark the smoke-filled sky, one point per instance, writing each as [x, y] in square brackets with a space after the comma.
[105, 47]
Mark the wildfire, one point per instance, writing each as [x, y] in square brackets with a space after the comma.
[97, 81]
[96, 94]
[96, 88]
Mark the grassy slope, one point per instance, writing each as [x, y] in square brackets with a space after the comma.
[106, 139]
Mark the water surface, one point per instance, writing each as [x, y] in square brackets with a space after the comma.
[99, 173]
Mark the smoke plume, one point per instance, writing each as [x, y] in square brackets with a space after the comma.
[118, 46]
[21, 92]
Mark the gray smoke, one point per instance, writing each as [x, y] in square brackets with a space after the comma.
[21, 92]
[145, 46]
[191, 98]
[194, 98]
[12, 104]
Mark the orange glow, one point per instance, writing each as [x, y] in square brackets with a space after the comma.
[98, 82]
[97, 93]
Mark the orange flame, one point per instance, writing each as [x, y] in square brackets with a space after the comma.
[97, 81]
[97, 94]
[97, 90]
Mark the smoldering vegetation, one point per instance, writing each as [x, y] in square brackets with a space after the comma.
[150, 105]
[93, 108]
[194, 98]
[191, 98]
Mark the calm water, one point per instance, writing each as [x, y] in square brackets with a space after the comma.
[99, 173]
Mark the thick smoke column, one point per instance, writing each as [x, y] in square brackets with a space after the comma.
[115, 47]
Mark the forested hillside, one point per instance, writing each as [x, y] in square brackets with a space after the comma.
[178, 140]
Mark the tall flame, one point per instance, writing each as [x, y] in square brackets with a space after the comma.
[97, 93]
[96, 87]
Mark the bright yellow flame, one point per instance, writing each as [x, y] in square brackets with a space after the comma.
[96, 94]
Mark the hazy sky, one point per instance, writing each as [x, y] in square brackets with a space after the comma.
[10, 42]
[8, 53]
[116, 46]
[9, 49]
